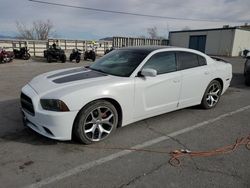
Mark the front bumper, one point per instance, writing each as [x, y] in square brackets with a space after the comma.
[55, 125]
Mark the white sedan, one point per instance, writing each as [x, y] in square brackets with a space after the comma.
[124, 86]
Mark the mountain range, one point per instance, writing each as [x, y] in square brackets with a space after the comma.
[6, 37]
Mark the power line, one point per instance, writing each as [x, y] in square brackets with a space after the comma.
[125, 13]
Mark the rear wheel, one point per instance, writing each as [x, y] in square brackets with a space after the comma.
[95, 122]
[63, 58]
[212, 95]
[49, 58]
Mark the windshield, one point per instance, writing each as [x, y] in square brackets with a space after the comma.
[119, 62]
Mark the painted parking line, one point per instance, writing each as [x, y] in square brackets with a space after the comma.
[89, 165]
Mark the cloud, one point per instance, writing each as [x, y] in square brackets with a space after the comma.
[79, 23]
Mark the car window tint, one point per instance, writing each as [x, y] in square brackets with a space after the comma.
[202, 60]
[187, 60]
[162, 62]
[119, 62]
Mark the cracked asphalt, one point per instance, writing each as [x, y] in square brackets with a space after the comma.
[28, 159]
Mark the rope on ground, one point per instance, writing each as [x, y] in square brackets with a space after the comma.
[177, 154]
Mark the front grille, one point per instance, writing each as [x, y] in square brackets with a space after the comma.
[27, 104]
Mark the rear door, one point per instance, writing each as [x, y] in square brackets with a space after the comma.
[195, 76]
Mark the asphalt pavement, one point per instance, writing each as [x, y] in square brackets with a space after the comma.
[31, 160]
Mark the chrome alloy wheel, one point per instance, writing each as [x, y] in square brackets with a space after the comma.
[99, 123]
[213, 94]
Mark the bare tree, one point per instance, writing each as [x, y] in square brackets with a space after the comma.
[40, 30]
[153, 32]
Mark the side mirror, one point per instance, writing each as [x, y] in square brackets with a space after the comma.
[149, 72]
[248, 55]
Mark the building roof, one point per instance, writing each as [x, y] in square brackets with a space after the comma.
[213, 29]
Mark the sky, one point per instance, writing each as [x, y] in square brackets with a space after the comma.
[73, 23]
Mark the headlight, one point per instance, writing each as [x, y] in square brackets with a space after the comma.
[54, 105]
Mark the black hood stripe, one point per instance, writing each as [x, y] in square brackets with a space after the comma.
[80, 76]
[68, 72]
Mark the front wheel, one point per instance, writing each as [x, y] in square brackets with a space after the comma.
[78, 59]
[93, 56]
[212, 95]
[95, 122]
[26, 56]
[71, 57]
[85, 56]
[49, 58]
[247, 79]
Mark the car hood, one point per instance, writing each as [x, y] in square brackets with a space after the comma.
[55, 80]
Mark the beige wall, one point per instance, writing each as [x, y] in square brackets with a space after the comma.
[241, 41]
[218, 42]
[179, 39]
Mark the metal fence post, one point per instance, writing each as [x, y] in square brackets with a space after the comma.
[34, 48]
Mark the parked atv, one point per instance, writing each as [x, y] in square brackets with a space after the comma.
[76, 54]
[55, 53]
[247, 69]
[90, 54]
[23, 53]
[244, 53]
[5, 56]
[108, 50]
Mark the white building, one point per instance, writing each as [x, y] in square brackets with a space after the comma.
[228, 41]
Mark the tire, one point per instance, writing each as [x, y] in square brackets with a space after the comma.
[212, 95]
[71, 57]
[85, 56]
[78, 59]
[63, 58]
[93, 56]
[45, 53]
[247, 79]
[86, 131]
[26, 56]
[49, 58]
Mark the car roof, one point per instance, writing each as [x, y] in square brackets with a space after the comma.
[146, 49]
[149, 49]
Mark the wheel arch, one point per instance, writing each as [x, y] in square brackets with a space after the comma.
[113, 102]
[220, 81]
[118, 108]
[202, 100]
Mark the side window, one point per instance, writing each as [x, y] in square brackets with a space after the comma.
[187, 60]
[162, 62]
[202, 60]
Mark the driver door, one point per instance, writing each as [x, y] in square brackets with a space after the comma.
[159, 94]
